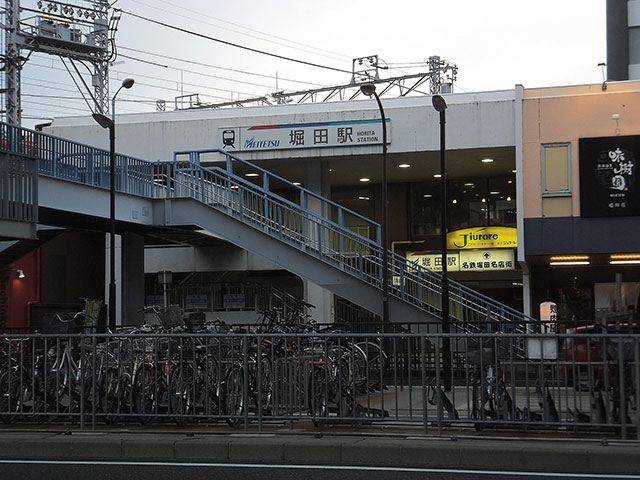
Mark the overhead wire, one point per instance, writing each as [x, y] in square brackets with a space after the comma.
[161, 87]
[232, 44]
[193, 62]
[314, 50]
[155, 77]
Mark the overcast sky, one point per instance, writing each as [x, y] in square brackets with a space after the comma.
[495, 44]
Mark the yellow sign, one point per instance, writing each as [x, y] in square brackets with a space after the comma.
[486, 260]
[465, 260]
[483, 237]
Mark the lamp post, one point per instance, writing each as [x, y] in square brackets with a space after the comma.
[110, 123]
[370, 89]
[441, 106]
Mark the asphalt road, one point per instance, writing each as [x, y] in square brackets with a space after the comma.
[38, 470]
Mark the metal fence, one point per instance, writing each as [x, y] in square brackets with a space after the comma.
[18, 175]
[563, 382]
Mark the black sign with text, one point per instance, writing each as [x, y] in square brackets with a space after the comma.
[609, 184]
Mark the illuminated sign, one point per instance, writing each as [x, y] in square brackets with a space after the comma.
[433, 260]
[483, 237]
[304, 135]
[486, 260]
[465, 260]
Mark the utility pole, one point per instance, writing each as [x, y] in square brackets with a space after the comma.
[73, 32]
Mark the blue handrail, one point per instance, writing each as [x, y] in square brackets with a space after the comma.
[329, 240]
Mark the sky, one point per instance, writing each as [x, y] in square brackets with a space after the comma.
[495, 44]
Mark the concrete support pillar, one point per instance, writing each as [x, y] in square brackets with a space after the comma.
[316, 179]
[132, 278]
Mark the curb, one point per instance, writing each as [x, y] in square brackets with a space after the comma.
[471, 454]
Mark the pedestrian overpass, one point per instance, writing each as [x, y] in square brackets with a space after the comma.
[304, 233]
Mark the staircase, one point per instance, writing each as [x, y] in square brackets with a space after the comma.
[308, 235]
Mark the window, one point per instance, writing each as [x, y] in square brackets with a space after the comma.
[556, 180]
[556, 169]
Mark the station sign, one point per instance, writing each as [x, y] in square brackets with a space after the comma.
[347, 133]
[483, 237]
[481, 260]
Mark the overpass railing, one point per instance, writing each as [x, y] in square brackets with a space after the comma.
[303, 219]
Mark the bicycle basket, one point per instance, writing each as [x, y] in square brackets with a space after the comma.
[171, 317]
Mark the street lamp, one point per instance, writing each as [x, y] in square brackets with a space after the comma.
[441, 106]
[110, 123]
[370, 89]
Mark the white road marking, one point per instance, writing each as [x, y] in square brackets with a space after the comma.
[327, 467]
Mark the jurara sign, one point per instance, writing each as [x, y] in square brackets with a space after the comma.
[483, 237]
[304, 135]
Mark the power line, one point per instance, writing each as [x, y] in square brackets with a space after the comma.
[224, 42]
[193, 62]
[155, 77]
[332, 55]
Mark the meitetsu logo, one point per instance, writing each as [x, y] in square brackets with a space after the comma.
[254, 144]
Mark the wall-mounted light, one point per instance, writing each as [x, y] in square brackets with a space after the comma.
[616, 117]
[19, 272]
[487, 160]
[253, 174]
[404, 165]
[365, 179]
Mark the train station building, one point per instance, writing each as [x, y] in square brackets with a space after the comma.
[534, 212]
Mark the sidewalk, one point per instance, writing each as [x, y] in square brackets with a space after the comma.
[568, 455]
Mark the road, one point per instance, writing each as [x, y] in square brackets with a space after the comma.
[72, 470]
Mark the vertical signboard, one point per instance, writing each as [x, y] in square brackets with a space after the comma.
[608, 176]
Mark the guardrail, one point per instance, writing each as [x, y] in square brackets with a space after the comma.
[567, 382]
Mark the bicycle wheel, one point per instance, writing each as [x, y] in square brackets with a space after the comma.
[234, 396]
[9, 397]
[110, 401]
[318, 396]
[181, 389]
[144, 393]
[262, 398]
[376, 365]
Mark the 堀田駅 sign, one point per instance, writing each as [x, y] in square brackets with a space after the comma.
[483, 237]
[343, 133]
[483, 260]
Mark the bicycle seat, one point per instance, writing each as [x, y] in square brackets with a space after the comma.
[484, 356]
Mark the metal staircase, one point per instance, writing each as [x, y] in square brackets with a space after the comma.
[308, 235]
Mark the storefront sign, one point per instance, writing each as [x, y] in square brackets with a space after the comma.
[465, 260]
[608, 178]
[304, 135]
[483, 237]
[486, 260]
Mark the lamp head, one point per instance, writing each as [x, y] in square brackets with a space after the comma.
[438, 103]
[368, 89]
[128, 82]
[103, 120]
